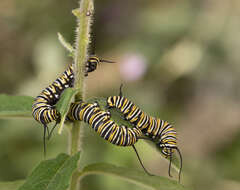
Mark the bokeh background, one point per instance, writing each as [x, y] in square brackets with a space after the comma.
[178, 60]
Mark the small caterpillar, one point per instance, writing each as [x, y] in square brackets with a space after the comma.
[159, 131]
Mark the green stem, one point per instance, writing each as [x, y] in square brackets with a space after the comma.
[84, 20]
[75, 181]
[75, 138]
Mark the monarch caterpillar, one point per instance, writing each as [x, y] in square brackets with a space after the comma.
[159, 131]
[43, 108]
[102, 123]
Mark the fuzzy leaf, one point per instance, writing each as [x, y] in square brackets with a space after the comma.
[65, 44]
[13, 185]
[15, 106]
[54, 174]
[76, 12]
[63, 105]
[134, 176]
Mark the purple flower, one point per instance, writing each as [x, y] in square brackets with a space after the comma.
[133, 67]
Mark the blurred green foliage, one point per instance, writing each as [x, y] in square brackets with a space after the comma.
[191, 53]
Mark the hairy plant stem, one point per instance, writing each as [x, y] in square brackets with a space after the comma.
[84, 20]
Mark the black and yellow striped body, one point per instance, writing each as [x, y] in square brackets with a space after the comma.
[159, 130]
[101, 122]
[43, 108]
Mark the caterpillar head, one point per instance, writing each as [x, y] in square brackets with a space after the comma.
[92, 63]
[167, 148]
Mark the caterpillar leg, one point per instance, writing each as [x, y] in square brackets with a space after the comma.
[134, 148]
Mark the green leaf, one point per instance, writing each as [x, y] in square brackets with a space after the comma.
[76, 12]
[13, 185]
[63, 105]
[15, 106]
[134, 176]
[54, 174]
[66, 44]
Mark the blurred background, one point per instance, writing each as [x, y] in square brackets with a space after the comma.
[178, 60]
